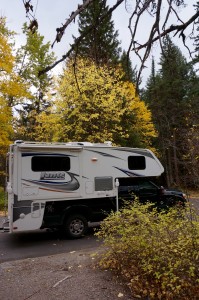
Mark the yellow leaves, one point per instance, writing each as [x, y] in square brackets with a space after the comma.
[46, 127]
[11, 85]
[101, 107]
[11, 88]
[5, 123]
[156, 253]
[6, 57]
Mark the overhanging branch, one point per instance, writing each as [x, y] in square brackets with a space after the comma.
[79, 39]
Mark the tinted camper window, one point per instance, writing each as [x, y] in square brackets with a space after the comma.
[136, 162]
[50, 163]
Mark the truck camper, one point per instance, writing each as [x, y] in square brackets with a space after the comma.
[67, 185]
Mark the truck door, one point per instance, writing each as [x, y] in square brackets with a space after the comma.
[148, 191]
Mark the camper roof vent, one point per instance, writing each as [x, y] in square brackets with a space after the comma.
[108, 143]
[79, 143]
[18, 141]
[85, 143]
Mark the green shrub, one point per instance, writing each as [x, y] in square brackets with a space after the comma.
[2, 199]
[157, 253]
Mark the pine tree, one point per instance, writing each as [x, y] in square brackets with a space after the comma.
[196, 38]
[100, 42]
[129, 71]
[193, 141]
[168, 96]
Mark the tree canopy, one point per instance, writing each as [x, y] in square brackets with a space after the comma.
[31, 58]
[103, 108]
[12, 90]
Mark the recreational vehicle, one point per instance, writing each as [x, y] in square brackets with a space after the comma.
[67, 185]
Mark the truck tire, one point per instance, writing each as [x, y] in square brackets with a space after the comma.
[75, 226]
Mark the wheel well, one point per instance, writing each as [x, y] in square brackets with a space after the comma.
[78, 209]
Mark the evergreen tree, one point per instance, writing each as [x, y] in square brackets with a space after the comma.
[193, 141]
[130, 73]
[100, 42]
[33, 57]
[196, 38]
[168, 97]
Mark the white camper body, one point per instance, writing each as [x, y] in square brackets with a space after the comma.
[50, 182]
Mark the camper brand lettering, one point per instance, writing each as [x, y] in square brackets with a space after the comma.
[52, 175]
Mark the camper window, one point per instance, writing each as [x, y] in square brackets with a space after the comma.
[50, 163]
[136, 162]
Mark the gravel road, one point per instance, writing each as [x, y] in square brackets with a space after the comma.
[69, 276]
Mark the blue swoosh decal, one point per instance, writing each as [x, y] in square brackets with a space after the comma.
[129, 173]
[71, 185]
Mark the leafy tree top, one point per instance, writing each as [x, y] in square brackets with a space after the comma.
[103, 107]
[33, 57]
[11, 86]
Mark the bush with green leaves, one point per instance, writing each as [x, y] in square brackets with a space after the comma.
[156, 252]
[2, 199]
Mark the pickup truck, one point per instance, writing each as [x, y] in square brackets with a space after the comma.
[146, 190]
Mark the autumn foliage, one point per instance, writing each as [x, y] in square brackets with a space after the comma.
[157, 254]
[11, 90]
[96, 105]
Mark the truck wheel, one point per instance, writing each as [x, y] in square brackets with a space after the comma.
[76, 226]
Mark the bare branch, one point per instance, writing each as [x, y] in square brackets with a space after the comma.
[28, 6]
[153, 8]
[172, 28]
[170, 9]
[79, 39]
[33, 26]
[74, 14]
[155, 29]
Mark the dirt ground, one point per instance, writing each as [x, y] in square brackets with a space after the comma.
[69, 276]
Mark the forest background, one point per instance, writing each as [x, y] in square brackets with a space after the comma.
[95, 99]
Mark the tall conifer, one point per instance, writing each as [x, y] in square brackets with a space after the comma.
[100, 42]
[168, 95]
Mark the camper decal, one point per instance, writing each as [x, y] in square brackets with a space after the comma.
[137, 151]
[26, 154]
[52, 175]
[104, 154]
[56, 186]
[129, 173]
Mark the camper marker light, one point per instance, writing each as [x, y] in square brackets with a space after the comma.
[117, 182]
[94, 159]
[22, 216]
